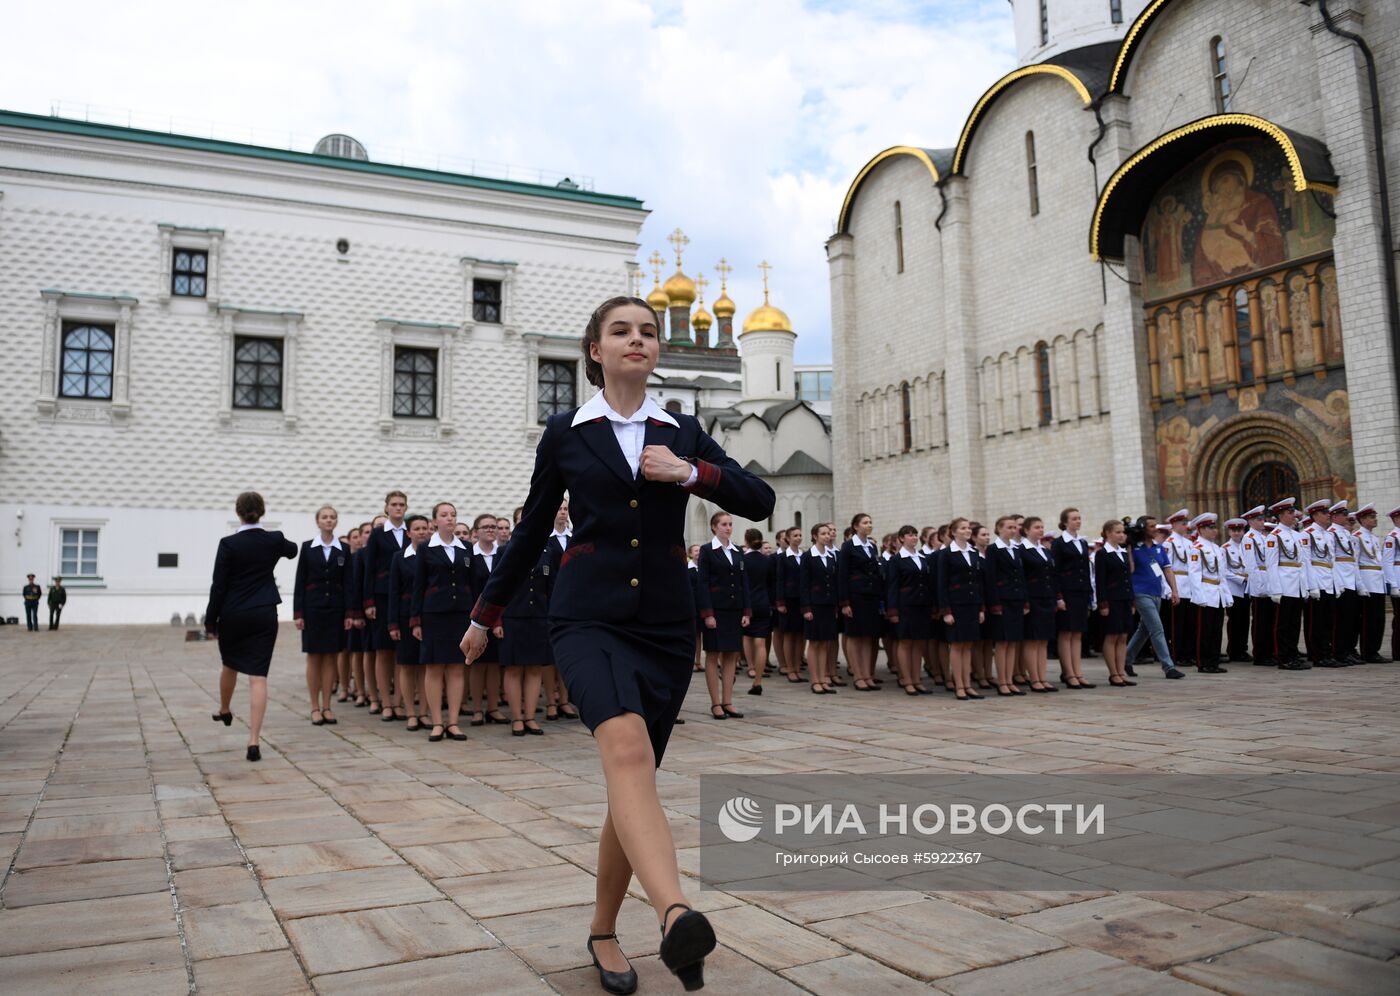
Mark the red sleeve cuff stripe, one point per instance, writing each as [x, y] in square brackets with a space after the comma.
[487, 614]
[707, 477]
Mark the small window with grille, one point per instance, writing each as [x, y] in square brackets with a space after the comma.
[189, 273]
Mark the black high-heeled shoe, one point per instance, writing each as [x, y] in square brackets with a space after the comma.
[730, 711]
[718, 715]
[685, 945]
[536, 730]
[621, 983]
[222, 717]
[254, 753]
[567, 711]
[513, 731]
[548, 710]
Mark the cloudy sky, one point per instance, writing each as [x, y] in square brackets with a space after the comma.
[740, 121]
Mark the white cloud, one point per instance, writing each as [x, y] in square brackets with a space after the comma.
[740, 122]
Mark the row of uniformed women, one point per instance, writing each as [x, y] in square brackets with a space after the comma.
[966, 604]
[391, 621]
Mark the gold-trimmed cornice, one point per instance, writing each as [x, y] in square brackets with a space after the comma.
[924, 156]
[995, 90]
[1307, 159]
[1130, 42]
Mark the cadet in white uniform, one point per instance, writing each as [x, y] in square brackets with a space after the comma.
[1320, 612]
[1259, 587]
[1209, 592]
[1289, 557]
[1347, 616]
[1179, 620]
[1236, 579]
[1370, 586]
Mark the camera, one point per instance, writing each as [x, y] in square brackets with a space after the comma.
[1136, 530]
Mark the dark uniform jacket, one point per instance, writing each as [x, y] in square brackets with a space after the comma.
[858, 574]
[911, 585]
[818, 580]
[762, 571]
[324, 585]
[1004, 573]
[1113, 581]
[1040, 573]
[627, 558]
[531, 600]
[243, 573]
[378, 553]
[787, 582]
[960, 582]
[439, 584]
[403, 569]
[722, 586]
[1071, 566]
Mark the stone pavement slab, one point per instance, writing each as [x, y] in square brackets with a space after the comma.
[360, 857]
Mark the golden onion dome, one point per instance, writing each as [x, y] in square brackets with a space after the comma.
[766, 318]
[725, 307]
[658, 300]
[680, 289]
[701, 319]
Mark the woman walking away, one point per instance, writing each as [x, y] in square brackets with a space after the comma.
[621, 620]
[242, 611]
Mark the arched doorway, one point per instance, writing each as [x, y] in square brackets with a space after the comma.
[1267, 483]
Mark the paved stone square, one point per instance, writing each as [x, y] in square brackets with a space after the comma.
[144, 854]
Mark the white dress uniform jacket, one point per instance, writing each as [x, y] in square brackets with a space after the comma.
[1208, 576]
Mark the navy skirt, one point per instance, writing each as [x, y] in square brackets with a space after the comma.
[964, 628]
[1010, 624]
[1075, 618]
[790, 621]
[915, 623]
[323, 632]
[377, 632]
[760, 625]
[407, 651]
[355, 640]
[246, 640]
[822, 625]
[615, 668]
[442, 637]
[526, 642]
[865, 618]
[1040, 624]
[1119, 618]
[727, 635]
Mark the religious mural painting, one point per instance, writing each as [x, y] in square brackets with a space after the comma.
[1244, 331]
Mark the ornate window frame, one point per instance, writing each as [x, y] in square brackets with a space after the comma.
[205, 240]
[560, 349]
[72, 306]
[417, 335]
[489, 269]
[284, 325]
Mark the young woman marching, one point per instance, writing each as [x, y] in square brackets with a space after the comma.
[242, 611]
[859, 583]
[1069, 552]
[1039, 627]
[408, 653]
[789, 605]
[818, 600]
[759, 568]
[321, 606]
[439, 614]
[1113, 584]
[909, 601]
[380, 547]
[960, 596]
[724, 605]
[982, 650]
[484, 681]
[1008, 601]
[620, 622]
[525, 649]
[365, 694]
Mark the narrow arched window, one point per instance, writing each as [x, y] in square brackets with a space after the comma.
[1042, 383]
[1045, 22]
[1242, 336]
[1220, 75]
[898, 238]
[906, 416]
[1032, 180]
[1115, 11]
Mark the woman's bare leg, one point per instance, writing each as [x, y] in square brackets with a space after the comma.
[534, 676]
[610, 889]
[257, 708]
[228, 681]
[384, 677]
[432, 681]
[713, 664]
[456, 685]
[729, 663]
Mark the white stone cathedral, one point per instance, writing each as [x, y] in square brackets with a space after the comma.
[185, 318]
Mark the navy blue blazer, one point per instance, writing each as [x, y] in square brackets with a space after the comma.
[858, 575]
[1071, 566]
[1113, 581]
[627, 559]
[439, 584]
[480, 572]
[721, 585]
[323, 584]
[1004, 575]
[243, 573]
[787, 582]
[1040, 573]
[818, 580]
[694, 579]
[959, 582]
[910, 588]
[762, 571]
[402, 571]
[532, 600]
[378, 553]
